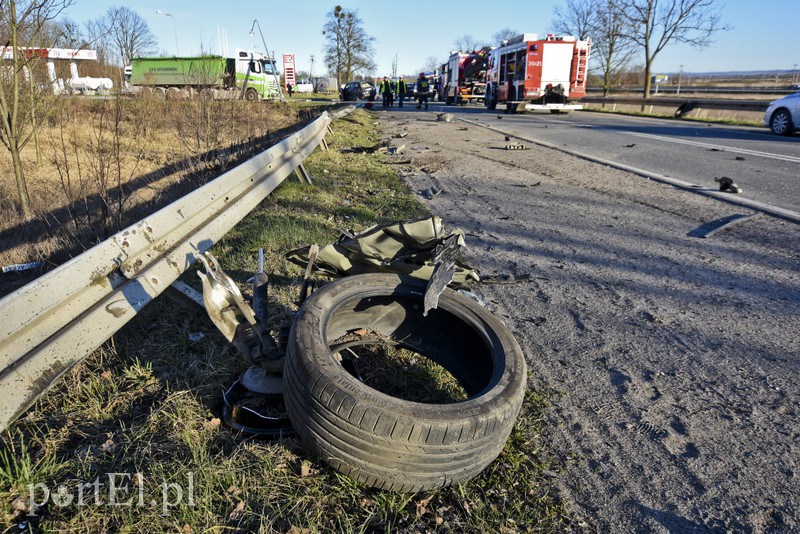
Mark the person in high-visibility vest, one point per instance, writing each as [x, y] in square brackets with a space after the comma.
[401, 90]
[386, 91]
[422, 90]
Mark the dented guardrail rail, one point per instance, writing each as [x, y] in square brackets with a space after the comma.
[54, 322]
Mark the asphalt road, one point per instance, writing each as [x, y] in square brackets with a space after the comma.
[672, 358]
[765, 166]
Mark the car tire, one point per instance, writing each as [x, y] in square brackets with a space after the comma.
[384, 441]
[781, 123]
[490, 99]
[251, 95]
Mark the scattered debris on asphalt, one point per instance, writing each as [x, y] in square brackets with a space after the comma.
[517, 146]
[713, 227]
[728, 185]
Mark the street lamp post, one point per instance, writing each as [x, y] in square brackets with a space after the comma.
[174, 27]
[269, 57]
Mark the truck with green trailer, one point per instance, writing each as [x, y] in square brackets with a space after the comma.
[248, 76]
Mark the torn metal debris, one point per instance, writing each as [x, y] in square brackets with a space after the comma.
[399, 247]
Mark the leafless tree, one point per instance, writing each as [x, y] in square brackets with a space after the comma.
[23, 25]
[68, 34]
[468, 43]
[349, 50]
[432, 64]
[601, 22]
[98, 37]
[502, 35]
[612, 52]
[576, 17]
[654, 24]
[128, 34]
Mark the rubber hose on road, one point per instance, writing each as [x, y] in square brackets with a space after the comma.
[388, 442]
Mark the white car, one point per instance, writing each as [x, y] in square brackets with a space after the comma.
[783, 115]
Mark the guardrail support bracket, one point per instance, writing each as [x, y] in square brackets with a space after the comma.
[302, 174]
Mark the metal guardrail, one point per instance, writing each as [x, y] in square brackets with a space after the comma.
[776, 92]
[54, 322]
[701, 103]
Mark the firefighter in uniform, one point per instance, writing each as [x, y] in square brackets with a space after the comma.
[422, 90]
[401, 90]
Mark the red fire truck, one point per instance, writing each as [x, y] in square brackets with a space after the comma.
[531, 73]
[464, 77]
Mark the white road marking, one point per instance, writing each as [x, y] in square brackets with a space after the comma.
[724, 148]
[759, 153]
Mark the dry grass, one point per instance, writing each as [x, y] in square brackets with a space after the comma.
[148, 403]
[106, 163]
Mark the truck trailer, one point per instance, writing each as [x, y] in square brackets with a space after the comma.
[531, 73]
[249, 76]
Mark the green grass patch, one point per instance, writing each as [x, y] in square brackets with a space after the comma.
[143, 412]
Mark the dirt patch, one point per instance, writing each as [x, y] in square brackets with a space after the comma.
[676, 357]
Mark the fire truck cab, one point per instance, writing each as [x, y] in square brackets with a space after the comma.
[547, 73]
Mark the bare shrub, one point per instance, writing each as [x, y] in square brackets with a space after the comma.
[94, 164]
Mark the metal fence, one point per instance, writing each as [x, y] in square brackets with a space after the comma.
[678, 103]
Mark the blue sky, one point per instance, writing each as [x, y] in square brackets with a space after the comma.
[763, 34]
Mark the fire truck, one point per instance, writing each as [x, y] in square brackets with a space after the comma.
[463, 77]
[531, 73]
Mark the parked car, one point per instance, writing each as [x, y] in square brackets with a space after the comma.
[783, 115]
[358, 91]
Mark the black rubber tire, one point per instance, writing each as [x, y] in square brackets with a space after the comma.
[391, 443]
[251, 95]
[490, 100]
[781, 123]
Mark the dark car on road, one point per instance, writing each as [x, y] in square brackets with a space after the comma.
[358, 91]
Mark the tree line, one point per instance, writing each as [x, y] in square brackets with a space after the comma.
[622, 32]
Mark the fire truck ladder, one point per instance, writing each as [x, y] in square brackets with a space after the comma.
[581, 69]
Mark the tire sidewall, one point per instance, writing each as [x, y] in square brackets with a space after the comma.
[313, 354]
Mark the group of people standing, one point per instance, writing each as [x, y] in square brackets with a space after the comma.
[388, 89]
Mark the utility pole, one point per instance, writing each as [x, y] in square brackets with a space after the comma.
[269, 57]
[311, 75]
[680, 75]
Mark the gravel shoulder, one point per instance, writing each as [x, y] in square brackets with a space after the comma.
[676, 359]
